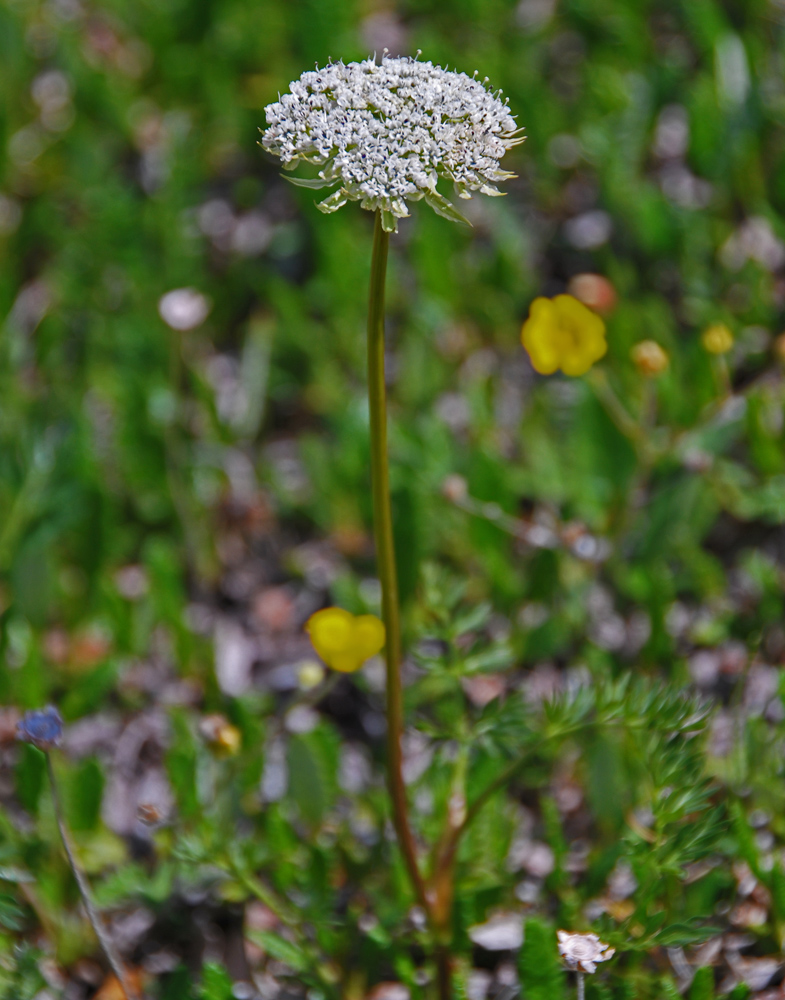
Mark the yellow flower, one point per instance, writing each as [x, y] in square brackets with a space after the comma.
[563, 333]
[717, 339]
[649, 358]
[344, 641]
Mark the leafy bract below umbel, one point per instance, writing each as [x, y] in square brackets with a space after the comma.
[384, 133]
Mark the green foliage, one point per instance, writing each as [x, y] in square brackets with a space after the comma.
[312, 762]
[740, 992]
[181, 765]
[84, 794]
[281, 950]
[11, 914]
[216, 983]
[538, 963]
[702, 987]
[20, 974]
[30, 777]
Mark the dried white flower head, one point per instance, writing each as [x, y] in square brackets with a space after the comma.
[581, 952]
[386, 132]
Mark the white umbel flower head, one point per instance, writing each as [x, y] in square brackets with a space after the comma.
[384, 133]
[581, 952]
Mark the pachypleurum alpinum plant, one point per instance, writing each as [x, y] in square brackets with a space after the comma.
[336, 907]
[385, 134]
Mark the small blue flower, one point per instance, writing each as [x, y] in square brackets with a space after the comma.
[42, 727]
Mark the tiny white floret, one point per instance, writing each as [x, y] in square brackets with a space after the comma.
[581, 952]
[384, 133]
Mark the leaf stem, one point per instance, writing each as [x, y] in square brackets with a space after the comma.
[444, 861]
[385, 556]
[259, 890]
[107, 945]
[445, 854]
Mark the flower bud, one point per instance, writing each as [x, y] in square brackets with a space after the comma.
[220, 735]
[310, 674]
[717, 339]
[649, 358]
[455, 488]
[594, 291]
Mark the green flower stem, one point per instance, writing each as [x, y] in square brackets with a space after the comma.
[722, 376]
[616, 410]
[93, 916]
[385, 557]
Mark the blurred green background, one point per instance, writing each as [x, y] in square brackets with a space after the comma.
[183, 427]
[654, 157]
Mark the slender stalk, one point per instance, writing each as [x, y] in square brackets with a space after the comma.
[84, 891]
[385, 556]
[723, 376]
[443, 972]
[614, 407]
[581, 987]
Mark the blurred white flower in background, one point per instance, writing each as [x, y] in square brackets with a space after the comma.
[589, 230]
[533, 15]
[51, 91]
[503, 932]
[183, 308]
[756, 240]
[10, 215]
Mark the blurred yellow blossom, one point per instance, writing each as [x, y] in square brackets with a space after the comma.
[344, 641]
[563, 333]
[649, 358]
[717, 339]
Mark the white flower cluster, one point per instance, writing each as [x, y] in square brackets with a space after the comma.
[386, 132]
